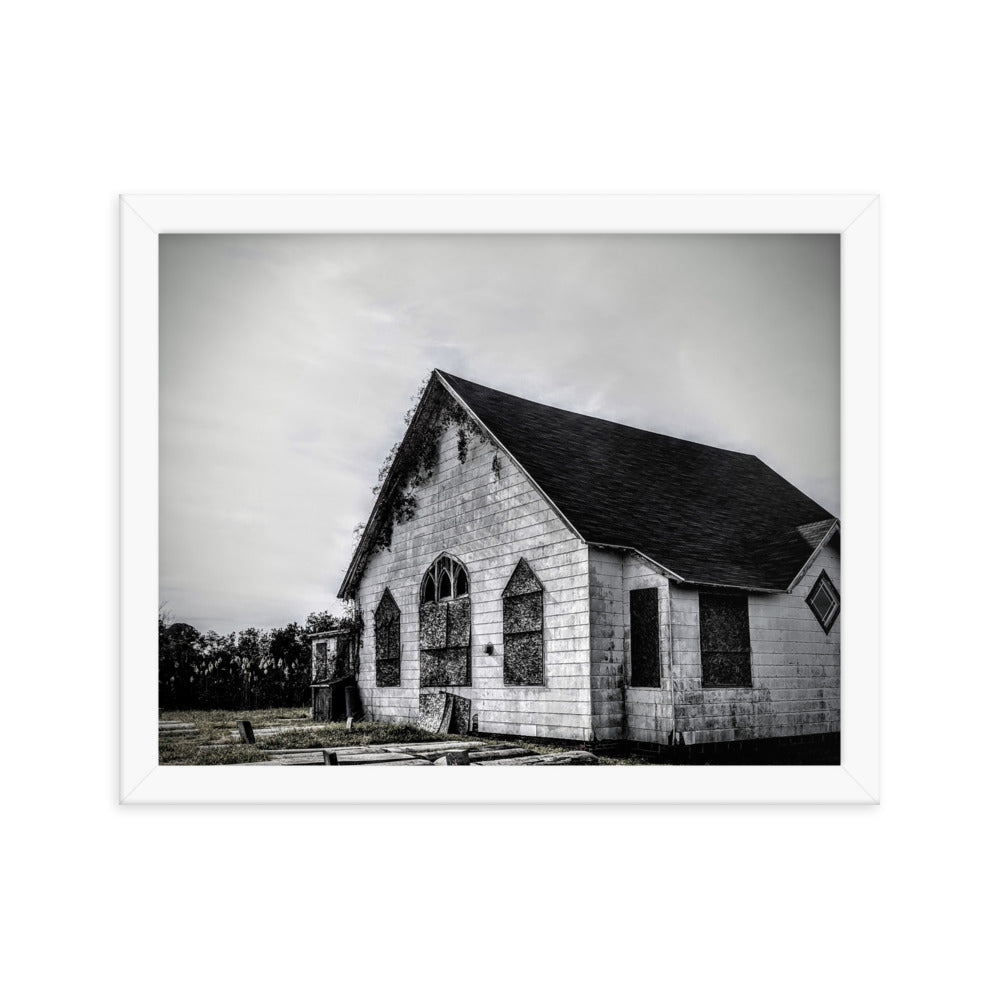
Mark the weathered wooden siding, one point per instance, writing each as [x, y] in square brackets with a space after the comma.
[489, 524]
[607, 637]
[794, 663]
[621, 711]
[649, 711]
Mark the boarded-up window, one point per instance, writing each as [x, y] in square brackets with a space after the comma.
[644, 632]
[445, 625]
[522, 628]
[321, 661]
[342, 663]
[725, 640]
[387, 642]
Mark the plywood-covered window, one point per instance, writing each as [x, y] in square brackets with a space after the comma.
[387, 641]
[522, 628]
[321, 661]
[445, 624]
[725, 640]
[644, 637]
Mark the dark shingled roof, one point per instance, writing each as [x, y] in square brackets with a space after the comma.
[709, 515]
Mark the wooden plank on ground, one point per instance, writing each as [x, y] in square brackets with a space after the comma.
[297, 761]
[449, 703]
[275, 730]
[402, 762]
[500, 753]
[461, 715]
[405, 762]
[370, 758]
[431, 711]
[382, 747]
[431, 747]
[361, 751]
[571, 757]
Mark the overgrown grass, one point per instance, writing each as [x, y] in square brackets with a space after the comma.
[361, 734]
[187, 746]
[184, 746]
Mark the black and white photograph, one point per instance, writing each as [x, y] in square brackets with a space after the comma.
[499, 500]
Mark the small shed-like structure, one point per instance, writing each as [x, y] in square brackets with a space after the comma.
[579, 579]
[334, 674]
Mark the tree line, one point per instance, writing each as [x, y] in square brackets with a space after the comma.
[254, 668]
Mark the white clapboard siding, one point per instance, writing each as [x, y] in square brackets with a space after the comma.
[489, 524]
[621, 711]
[795, 664]
[795, 667]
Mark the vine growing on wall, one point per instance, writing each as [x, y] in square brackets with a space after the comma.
[403, 473]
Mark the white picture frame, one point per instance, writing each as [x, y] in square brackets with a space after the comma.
[854, 216]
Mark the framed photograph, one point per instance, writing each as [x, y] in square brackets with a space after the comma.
[576, 496]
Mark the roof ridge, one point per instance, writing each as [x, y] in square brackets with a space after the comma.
[587, 416]
[708, 514]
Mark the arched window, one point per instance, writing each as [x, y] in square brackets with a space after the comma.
[522, 628]
[445, 624]
[387, 641]
[446, 579]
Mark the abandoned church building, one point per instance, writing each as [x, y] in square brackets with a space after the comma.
[578, 579]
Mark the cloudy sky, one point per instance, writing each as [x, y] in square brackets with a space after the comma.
[287, 363]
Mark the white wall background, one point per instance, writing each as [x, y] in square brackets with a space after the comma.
[110, 97]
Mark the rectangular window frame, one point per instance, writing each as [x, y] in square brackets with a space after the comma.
[445, 643]
[645, 682]
[748, 651]
[523, 629]
[388, 645]
[321, 661]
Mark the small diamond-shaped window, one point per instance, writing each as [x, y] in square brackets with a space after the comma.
[824, 601]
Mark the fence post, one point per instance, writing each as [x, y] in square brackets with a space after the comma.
[245, 731]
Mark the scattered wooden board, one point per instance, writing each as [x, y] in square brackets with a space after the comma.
[481, 753]
[449, 707]
[461, 715]
[431, 710]
[432, 747]
[570, 757]
[478, 756]
[370, 758]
